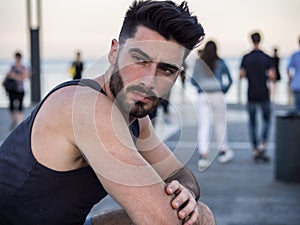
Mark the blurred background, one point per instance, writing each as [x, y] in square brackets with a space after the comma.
[88, 26]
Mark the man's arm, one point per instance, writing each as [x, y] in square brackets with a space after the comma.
[163, 160]
[102, 135]
[242, 73]
[180, 183]
[271, 73]
[167, 194]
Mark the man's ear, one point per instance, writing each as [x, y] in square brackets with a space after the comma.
[113, 52]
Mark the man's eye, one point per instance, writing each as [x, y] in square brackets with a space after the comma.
[139, 59]
[167, 71]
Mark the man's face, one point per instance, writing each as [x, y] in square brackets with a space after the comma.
[146, 67]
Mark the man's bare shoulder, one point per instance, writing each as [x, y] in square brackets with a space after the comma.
[67, 100]
[53, 128]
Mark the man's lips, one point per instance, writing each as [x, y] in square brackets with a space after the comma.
[141, 97]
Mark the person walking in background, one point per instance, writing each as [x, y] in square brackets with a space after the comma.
[273, 83]
[77, 67]
[211, 101]
[293, 70]
[17, 74]
[258, 68]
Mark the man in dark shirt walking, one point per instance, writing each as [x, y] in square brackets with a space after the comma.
[257, 67]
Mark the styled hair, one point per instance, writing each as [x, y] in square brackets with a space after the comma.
[209, 54]
[173, 22]
[255, 37]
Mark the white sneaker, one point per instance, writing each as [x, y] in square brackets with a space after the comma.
[203, 164]
[226, 157]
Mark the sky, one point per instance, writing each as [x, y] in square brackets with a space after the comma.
[89, 26]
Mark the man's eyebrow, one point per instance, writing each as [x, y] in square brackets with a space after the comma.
[138, 50]
[171, 66]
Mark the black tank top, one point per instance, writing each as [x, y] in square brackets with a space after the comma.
[33, 194]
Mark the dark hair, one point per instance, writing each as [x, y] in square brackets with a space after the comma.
[209, 55]
[168, 19]
[255, 37]
[18, 55]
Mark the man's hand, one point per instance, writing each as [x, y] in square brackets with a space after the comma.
[183, 201]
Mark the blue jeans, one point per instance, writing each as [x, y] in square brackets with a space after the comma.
[297, 100]
[266, 113]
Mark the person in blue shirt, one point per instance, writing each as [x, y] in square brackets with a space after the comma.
[212, 79]
[293, 70]
[258, 68]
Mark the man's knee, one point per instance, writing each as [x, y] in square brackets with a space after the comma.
[119, 216]
[111, 217]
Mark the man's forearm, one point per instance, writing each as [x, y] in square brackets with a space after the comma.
[187, 179]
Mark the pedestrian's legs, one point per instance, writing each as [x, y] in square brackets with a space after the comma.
[11, 96]
[266, 109]
[20, 98]
[13, 115]
[204, 120]
[252, 123]
[19, 113]
[219, 119]
[220, 127]
[266, 112]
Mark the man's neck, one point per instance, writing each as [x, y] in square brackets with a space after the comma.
[256, 47]
[103, 80]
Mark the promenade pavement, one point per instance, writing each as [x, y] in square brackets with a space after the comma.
[240, 192]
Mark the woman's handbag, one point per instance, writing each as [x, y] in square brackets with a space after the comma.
[9, 84]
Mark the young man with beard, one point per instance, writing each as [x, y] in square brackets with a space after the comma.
[90, 138]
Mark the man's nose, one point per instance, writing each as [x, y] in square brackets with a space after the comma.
[148, 79]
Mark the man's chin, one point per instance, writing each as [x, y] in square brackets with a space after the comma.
[139, 114]
[139, 111]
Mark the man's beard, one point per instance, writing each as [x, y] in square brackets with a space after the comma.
[137, 109]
